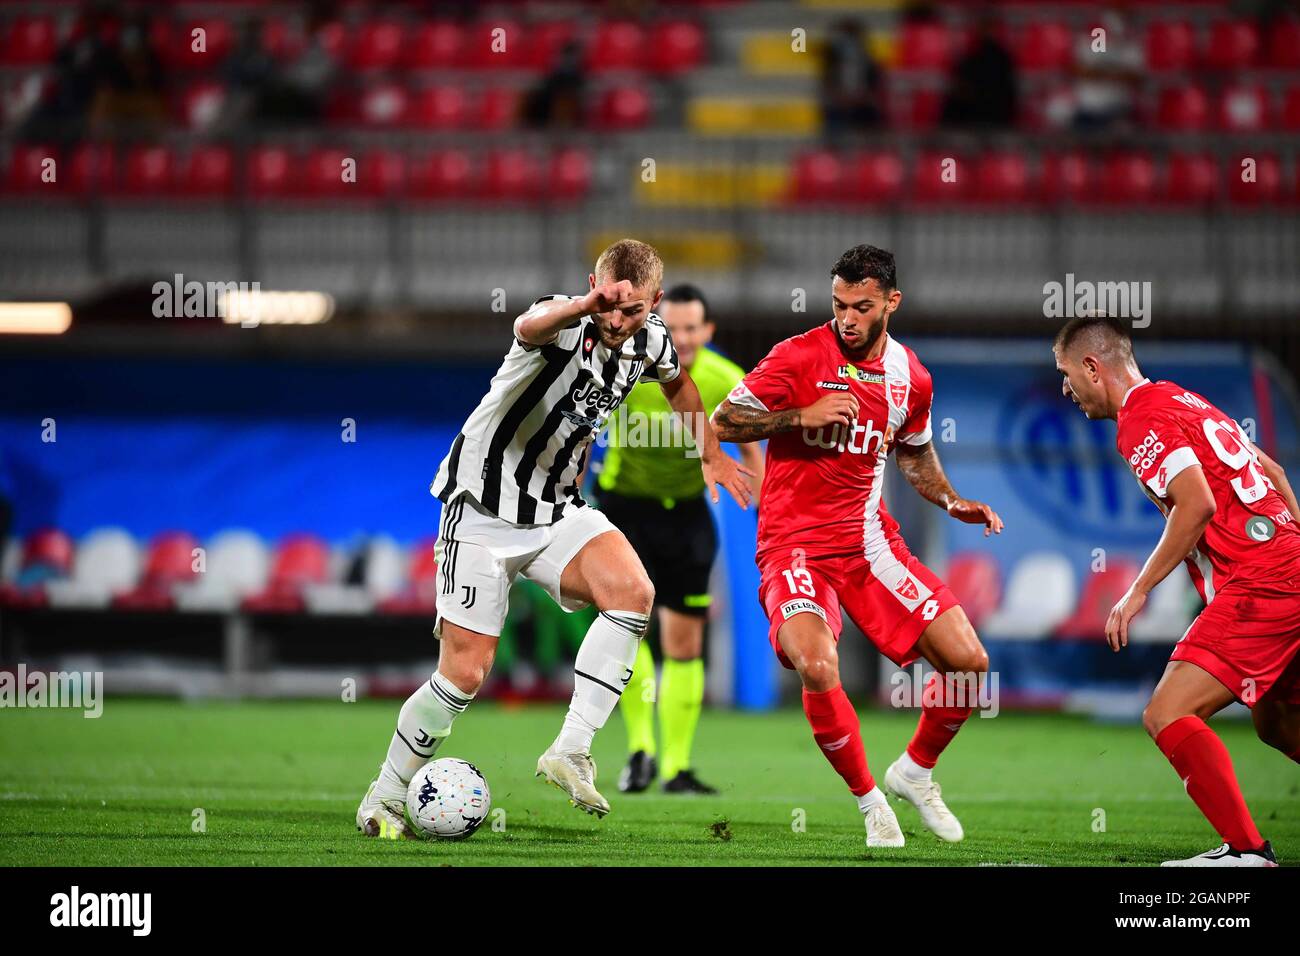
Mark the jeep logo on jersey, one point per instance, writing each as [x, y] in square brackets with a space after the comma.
[898, 394]
[596, 399]
[860, 440]
[1259, 528]
[906, 589]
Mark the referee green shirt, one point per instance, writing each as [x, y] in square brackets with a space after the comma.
[648, 447]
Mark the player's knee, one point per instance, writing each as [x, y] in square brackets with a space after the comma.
[632, 592]
[1155, 718]
[819, 670]
[973, 661]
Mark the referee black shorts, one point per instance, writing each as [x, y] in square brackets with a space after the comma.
[676, 544]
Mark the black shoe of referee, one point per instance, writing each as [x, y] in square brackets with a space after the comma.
[639, 773]
[687, 782]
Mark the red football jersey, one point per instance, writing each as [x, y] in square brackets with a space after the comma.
[821, 487]
[1163, 429]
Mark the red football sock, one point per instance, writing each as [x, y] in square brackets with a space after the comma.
[835, 728]
[938, 724]
[1203, 764]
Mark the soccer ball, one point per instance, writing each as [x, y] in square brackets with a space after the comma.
[447, 798]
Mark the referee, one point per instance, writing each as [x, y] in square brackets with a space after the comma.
[652, 491]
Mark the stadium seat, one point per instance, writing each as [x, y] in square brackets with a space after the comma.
[107, 563]
[1182, 108]
[92, 169]
[434, 45]
[545, 41]
[148, 171]
[511, 175]
[925, 45]
[818, 177]
[1170, 46]
[1284, 45]
[281, 40]
[206, 171]
[420, 594]
[1101, 591]
[570, 174]
[1002, 178]
[494, 44]
[299, 561]
[29, 41]
[1290, 116]
[377, 45]
[237, 567]
[616, 45]
[269, 171]
[1262, 187]
[676, 46]
[1244, 109]
[385, 568]
[1231, 45]
[384, 104]
[1127, 179]
[324, 174]
[199, 105]
[498, 108]
[1168, 611]
[442, 174]
[1039, 596]
[46, 555]
[875, 177]
[623, 107]
[170, 561]
[382, 172]
[976, 580]
[436, 107]
[1192, 178]
[1044, 46]
[940, 177]
[27, 168]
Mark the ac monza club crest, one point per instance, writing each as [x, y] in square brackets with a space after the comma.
[907, 587]
[898, 394]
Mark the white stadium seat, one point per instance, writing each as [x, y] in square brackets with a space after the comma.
[1168, 611]
[1040, 595]
[237, 565]
[107, 562]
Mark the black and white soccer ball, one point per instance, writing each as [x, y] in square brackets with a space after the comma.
[447, 799]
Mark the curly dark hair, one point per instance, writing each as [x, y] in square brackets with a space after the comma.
[867, 262]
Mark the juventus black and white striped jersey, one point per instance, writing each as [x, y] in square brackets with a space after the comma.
[521, 451]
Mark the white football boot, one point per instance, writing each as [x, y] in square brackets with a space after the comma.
[1227, 856]
[575, 774]
[383, 814]
[882, 826]
[928, 800]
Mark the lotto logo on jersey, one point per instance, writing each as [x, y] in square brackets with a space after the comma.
[1144, 455]
[790, 608]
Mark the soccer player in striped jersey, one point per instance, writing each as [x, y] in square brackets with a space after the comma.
[834, 402]
[512, 506]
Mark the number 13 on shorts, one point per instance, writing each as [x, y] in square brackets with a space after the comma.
[799, 581]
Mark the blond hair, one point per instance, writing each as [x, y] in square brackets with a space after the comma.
[633, 260]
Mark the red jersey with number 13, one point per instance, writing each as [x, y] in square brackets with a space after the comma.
[1164, 429]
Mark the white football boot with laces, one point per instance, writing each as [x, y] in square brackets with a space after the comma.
[383, 814]
[1226, 856]
[575, 774]
[882, 826]
[928, 800]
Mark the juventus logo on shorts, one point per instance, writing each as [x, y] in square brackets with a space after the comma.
[471, 595]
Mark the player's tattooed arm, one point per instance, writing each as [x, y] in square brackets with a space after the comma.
[920, 466]
[742, 423]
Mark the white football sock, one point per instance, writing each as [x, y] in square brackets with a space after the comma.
[912, 770]
[601, 672]
[873, 797]
[422, 726]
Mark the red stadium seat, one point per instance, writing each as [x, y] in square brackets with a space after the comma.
[300, 561]
[445, 174]
[624, 107]
[421, 593]
[498, 108]
[335, 39]
[385, 104]
[1067, 177]
[975, 579]
[676, 46]
[382, 172]
[47, 555]
[269, 171]
[511, 175]
[434, 45]
[941, 177]
[92, 169]
[1002, 178]
[1101, 591]
[925, 45]
[207, 171]
[1244, 109]
[495, 44]
[170, 562]
[1231, 45]
[29, 41]
[875, 177]
[1183, 108]
[148, 171]
[1128, 178]
[818, 177]
[437, 107]
[1284, 45]
[545, 41]
[377, 45]
[1044, 46]
[616, 45]
[1192, 178]
[27, 169]
[1291, 109]
[570, 174]
[281, 40]
[1170, 45]
[324, 174]
[1265, 183]
[200, 103]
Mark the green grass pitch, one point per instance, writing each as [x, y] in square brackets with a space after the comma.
[279, 784]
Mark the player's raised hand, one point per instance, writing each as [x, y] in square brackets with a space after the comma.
[1121, 615]
[976, 512]
[607, 296]
[841, 409]
[723, 470]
